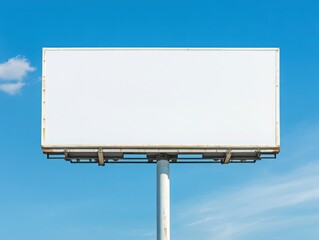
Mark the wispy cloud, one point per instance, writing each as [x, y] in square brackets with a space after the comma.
[267, 207]
[13, 73]
[285, 201]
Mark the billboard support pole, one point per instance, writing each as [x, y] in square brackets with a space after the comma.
[163, 200]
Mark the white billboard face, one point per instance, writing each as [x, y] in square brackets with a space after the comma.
[160, 98]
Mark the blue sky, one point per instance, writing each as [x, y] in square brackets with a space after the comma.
[47, 199]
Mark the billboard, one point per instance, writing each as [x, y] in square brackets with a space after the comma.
[160, 100]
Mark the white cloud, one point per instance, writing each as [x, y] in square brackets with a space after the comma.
[12, 74]
[11, 88]
[15, 69]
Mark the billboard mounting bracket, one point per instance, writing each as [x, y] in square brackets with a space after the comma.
[100, 157]
[227, 158]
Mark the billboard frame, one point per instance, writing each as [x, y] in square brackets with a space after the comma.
[218, 153]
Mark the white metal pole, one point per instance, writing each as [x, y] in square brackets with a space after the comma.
[163, 200]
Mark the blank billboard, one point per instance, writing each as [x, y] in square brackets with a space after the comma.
[160, 98]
